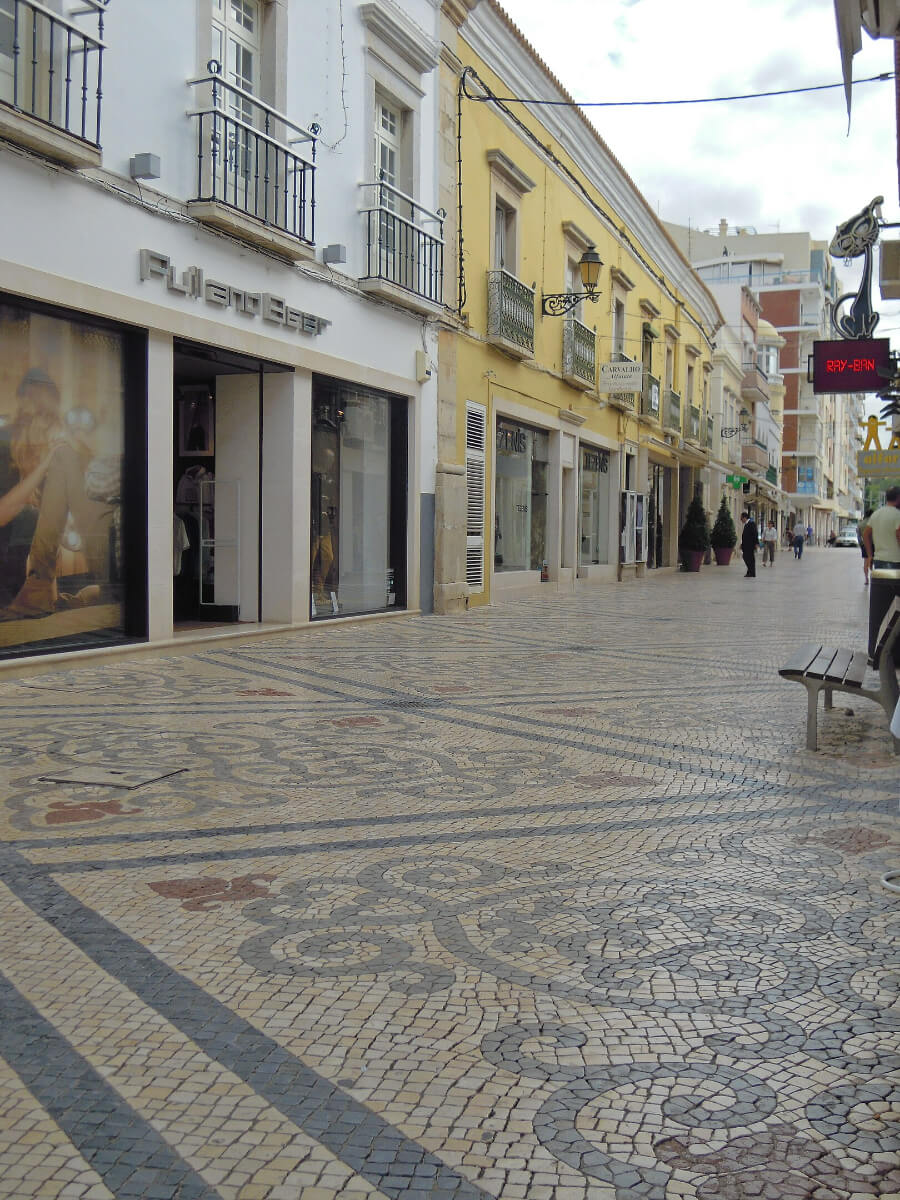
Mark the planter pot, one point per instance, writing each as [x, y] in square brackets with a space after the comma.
[693, 559]
[723, 555]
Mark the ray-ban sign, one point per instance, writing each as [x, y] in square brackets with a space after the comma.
[851, 365]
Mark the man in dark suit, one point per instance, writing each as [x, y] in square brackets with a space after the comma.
[749, 542]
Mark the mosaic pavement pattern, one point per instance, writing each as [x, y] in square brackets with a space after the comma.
[548, 901]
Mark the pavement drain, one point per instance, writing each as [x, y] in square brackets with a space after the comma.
[118, 777]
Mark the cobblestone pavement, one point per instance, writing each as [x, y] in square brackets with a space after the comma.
[546, 901]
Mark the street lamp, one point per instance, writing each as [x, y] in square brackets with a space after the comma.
[557, 304]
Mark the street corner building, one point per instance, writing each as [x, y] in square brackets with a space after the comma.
[574, 420]
[221, 281]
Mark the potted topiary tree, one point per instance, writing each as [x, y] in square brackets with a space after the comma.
[693, 541]
[723, 538]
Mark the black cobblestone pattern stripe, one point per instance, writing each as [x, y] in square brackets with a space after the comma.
[398, 1166]
[132, 1159]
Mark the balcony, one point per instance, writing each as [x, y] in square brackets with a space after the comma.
[579, 353]
[772, 475]
[710, 432]
[404, 250]
[755, 384]
[251, 182]
[50, 81]
[694, 415]
[650, 397]
[510, 315]
[755, 457]
[672, 412]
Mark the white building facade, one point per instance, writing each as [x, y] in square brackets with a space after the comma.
[221, 275]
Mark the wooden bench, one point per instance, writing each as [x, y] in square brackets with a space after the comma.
[831, 669]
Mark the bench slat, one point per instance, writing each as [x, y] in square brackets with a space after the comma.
[818, 668]
[856, 671]
[798, 663]
[838, 669]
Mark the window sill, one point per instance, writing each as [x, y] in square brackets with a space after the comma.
[229, 220]
[53, 143]
[513, 349]
[384, 290]
[575, 381]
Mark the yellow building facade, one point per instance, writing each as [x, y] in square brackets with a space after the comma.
[571, 434]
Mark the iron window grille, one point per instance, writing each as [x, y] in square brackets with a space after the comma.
[579, 350]
[247, 161]
[510, 310]
[56, 75]
[400, 249]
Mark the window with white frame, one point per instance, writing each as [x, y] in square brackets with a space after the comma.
[504, 236]
[618, 345]
[574, 284]
[236, 44]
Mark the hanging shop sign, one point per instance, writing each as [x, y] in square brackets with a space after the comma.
[194, 285]
[878, 463]
[852, 365]
[620, 377]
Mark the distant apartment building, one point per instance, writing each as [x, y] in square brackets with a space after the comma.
[796, 284]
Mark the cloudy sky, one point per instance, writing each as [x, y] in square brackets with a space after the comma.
[786, 163]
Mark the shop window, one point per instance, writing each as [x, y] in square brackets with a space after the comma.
[520, 515]
[359, 500]
[594, 485]
[72, 522]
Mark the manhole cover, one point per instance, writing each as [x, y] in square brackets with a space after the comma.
[120, 777]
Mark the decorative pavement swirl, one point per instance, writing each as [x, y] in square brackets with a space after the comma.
[548, 901]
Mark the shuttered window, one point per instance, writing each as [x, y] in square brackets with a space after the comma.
[476, 429]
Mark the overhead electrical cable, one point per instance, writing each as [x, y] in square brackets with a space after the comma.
[822, 87]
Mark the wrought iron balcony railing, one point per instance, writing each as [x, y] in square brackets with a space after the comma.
[710, 431]
[51, 69]
[672, 411]
[399, 248]
[246, 160]
[650, 396]
[579, 351]
[510, 311]
[694, 423]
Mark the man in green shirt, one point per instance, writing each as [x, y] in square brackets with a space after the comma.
[881, 535]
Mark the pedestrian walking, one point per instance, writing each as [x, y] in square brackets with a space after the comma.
[770, 538]
[882, 540]
[749, 542]
[809, 534]
[799, 535]
[862, 545]
[881, 535]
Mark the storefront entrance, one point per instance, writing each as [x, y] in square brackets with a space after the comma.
[217, 484]
[657, 507]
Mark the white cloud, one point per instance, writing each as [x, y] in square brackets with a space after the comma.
[785, 163]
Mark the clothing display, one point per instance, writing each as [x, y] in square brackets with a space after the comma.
[180, 543]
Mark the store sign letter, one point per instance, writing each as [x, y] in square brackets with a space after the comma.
[194, 286]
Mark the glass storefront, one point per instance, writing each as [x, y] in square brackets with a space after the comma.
[67, 521]
[594, 484]
[359, 499]
[520, 520]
